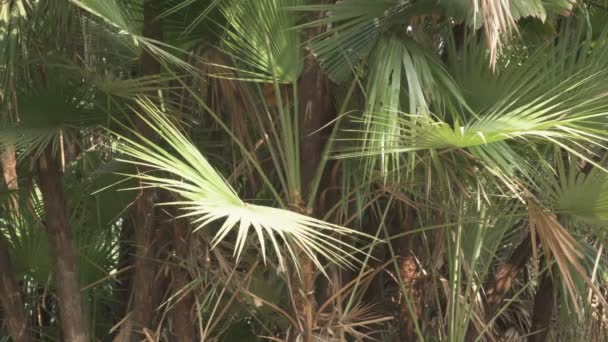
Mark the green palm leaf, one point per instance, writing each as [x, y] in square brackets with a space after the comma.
[356, 27]
[125, 18]
[261, 35]
[60, 106]
[576, 194]
[555, 97]
[397, 66]
[14, 17]
[206, 197]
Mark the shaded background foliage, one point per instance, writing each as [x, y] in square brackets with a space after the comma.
[289, 170]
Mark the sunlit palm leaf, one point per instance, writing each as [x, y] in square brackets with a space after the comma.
[356, 27]
[261, 34]
[124, 17]
[399, 64]
[526, 71]
[528, 8]
[562, 7]
[564, 117]
[205, 196]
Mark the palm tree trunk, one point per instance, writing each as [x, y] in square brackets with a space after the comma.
[182, 313]
[8, 160]
[503, 280]
[10, 295]
[126, 253]
[142, 291]
[543, 309]
[10, 298]
[306, 301]
[73, 324]
[316, 110]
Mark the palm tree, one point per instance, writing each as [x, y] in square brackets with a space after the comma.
[290, 170]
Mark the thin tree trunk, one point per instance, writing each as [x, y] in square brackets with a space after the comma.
[182, 312]
[8, 161]
[162, 242]
[9, 167]
[306, 299]
[10, 295]
[543, 309]
[73, 324]
[143, 293]
[126, 253]
[10, 298]
[143, 303]
[316, 110]
[503, 280]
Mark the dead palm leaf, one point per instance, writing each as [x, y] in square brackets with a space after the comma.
[497, 20]
[559, 244]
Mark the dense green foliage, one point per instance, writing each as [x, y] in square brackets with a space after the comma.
[290, 170]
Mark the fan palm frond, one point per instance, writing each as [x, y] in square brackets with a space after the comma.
[55, 108]
[13, 26]
[559, 244]
[125, 18]
[581, 195]
[355, 29]
[527, 104]
[262, 35]
[399, 66]
[205, 197]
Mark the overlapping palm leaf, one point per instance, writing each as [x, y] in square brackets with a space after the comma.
[356, 27]
[526, 101]
[580, 195]
[262, 36]
[14, 17]
[65, 104]
[401, 75]
[125, 18]
[51, 110]
[550, 97]
[205, 197]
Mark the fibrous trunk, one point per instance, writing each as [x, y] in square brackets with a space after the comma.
[183, 319]
[543, 309]
[316, 110]
[508, 271]
[10, 296]
[143, 291]
[8, 160]
[64, 254]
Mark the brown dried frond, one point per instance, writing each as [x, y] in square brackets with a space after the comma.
[558, 243]
[497, 20]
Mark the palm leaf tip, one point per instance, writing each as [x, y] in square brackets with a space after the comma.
[206, 197]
